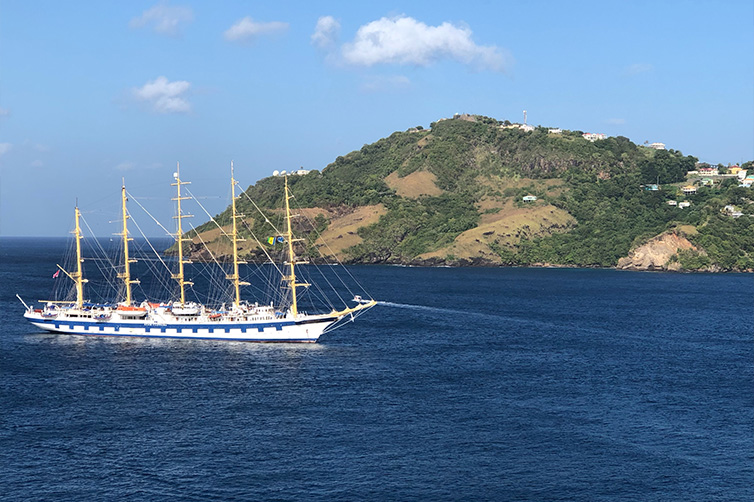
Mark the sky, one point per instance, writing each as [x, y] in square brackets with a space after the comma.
[96, 92]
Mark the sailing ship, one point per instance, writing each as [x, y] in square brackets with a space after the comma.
[181, 318]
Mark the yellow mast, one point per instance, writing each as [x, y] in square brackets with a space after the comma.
[235, 240]
[291, 279]
[126, 275]
[179, 236]
[78, 276]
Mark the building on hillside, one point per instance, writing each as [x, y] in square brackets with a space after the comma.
[672, 203]
[742, 174]
[657, 146]
[732, 211]
[708, 182]
[689, 190]
[523, 127]
[529, 198]
[684, 204]
[708, 171]
[651, 188]
[593, 136]
[734, 170]
[555, 130]
[465, 116]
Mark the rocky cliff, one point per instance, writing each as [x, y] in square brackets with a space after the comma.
[656, 254]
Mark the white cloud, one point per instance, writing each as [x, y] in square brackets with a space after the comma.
[248, 29]
[406, 41]
[164, 19]
[125, 166]
[5, 148]
[378, 83]
[165, 96]
[615, 121]
[326, 32]
[637, 68]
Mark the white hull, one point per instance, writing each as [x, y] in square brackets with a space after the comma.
[306, 329]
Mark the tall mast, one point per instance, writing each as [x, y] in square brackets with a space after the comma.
[291, 279]
[237, 283]
[179, 236]
[78, 276]
[126, 275]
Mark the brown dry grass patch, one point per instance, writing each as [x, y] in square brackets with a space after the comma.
[505, 228]
[414, 185]
[341, 232]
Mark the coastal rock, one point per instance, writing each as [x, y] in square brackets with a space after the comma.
[656, 254]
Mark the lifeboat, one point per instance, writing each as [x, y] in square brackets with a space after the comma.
[130, 312]
[187, 309]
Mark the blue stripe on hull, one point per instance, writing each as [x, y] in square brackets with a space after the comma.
[253, 326]
[255, 340]
[81, 327]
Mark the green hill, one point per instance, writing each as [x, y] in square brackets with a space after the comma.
[453, 194]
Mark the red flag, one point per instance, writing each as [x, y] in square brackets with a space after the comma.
[56, 274]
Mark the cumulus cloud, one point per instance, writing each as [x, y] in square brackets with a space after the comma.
[164, 19]
[5, 148]
[247, 29]
[405, 41]
[326, 32]
[164, 96]
[637, 68]
[125, 166]
[378, 83]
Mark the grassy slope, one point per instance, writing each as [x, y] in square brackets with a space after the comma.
[452, 194]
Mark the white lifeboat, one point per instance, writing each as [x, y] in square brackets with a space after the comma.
[187, 309]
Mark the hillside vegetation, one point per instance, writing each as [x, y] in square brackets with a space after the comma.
[452, 194]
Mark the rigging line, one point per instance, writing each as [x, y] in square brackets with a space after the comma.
[168, 232]
[323, 295]
[106, 274]
[266, 219]
[163, 282]
[98, 244]
[334, 256]
[262, 247]
[150, 245]
[214, 281]
[212, 219]
[311, 223]
[216, 224]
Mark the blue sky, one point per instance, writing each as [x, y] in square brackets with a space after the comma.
[91, 92]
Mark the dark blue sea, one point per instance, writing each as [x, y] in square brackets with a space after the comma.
[469, 384]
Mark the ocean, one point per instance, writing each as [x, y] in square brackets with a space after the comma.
[464, 384]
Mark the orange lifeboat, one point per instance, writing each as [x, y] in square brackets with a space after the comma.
[128, 311]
